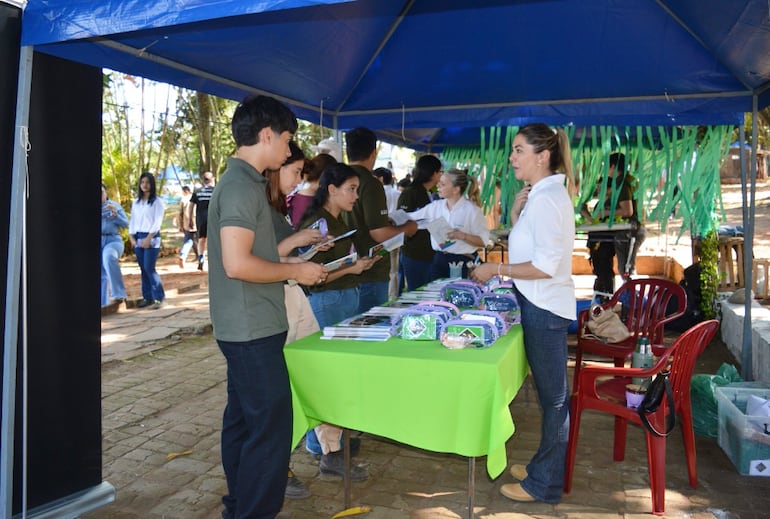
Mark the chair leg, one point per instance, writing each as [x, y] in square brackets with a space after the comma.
[656, 465]
[574, 426]
[619, 449]
[689, 444]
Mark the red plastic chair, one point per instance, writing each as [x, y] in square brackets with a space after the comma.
[609, 396]
[644, 311]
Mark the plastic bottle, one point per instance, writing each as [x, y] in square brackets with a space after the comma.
[642, 358]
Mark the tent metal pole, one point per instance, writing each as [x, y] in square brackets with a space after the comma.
[747, 355]
[13, 277]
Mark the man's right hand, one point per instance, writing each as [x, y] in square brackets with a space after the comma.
[310, 273]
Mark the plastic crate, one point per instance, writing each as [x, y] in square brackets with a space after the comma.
[743, 437]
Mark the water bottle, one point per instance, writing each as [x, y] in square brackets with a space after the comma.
[642, 358]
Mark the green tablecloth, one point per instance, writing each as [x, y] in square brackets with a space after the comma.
[414, 392]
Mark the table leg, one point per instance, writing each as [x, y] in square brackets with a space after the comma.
[471, 484]
[346, 479]
[629, 260]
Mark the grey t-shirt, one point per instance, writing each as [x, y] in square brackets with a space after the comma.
[243, 311]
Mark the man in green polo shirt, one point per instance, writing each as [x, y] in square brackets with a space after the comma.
[246, 301]
[370, 218]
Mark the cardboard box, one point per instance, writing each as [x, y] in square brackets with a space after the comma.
[744, 438]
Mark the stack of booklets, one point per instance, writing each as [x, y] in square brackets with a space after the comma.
[372, 325]
[430, 292]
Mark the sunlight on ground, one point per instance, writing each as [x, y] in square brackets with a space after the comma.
[109, 338]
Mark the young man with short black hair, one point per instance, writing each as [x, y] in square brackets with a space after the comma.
[246, 294]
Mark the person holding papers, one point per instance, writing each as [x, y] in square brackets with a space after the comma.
[337, 298]
[302, 321]
[417, 253]
[280, 183]
[456, 224]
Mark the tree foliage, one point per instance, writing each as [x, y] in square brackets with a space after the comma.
[148, 126]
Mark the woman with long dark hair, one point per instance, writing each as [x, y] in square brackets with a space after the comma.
[144, 231]
[337, 298]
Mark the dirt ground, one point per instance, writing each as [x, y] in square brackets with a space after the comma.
[171, 275]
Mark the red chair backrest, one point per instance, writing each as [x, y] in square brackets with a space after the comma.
[645, 305]
[687, 348]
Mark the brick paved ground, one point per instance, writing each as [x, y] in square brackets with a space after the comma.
[170, 399]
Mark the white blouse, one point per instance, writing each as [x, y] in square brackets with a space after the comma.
[545, 235]
[147, 217]
[464, 216]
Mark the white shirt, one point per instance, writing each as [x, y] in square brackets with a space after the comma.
[545, 235]
[145, 217]
[391, 195]
[465, 216]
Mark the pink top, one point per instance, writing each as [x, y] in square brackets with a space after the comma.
[297, 207]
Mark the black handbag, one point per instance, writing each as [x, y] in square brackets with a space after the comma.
[659, 387]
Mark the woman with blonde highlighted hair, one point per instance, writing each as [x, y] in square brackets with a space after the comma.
[460, 207]
[540, 263]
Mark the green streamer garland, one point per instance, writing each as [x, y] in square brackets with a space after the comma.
[676, 171]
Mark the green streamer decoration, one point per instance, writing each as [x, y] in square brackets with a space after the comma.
[676, 170]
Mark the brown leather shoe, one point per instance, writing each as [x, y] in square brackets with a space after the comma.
[514, 492]
[519, 471]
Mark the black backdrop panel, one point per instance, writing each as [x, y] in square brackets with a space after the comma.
[63, 232]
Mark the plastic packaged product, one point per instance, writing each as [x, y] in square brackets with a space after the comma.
[493, 317]
[463, 294]
[480, 333]
[423, 322]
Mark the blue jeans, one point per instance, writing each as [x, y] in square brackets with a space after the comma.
[112, 278]
[152, 288]
[417, 273]
[256, 427]
[373, 293]
[190, 241]
[545, 342]
[332, 306]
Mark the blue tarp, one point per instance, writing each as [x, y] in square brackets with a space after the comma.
[438, 67]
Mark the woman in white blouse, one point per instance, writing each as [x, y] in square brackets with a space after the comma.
[460, 207]
[144, 231]
[540, 263]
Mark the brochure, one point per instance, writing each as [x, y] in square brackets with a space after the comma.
[341, 262]
[369, 326]
[400, 217]
[315, 248]
[388, 245]
[439, 230]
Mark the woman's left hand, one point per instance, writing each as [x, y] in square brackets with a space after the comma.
[456, 234]
[483, 272]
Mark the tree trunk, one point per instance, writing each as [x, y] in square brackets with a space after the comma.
[204, 130]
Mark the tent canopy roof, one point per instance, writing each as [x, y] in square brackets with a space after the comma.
[451, 65]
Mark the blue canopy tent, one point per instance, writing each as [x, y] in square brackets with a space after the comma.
[434, 63]
[425, 73]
